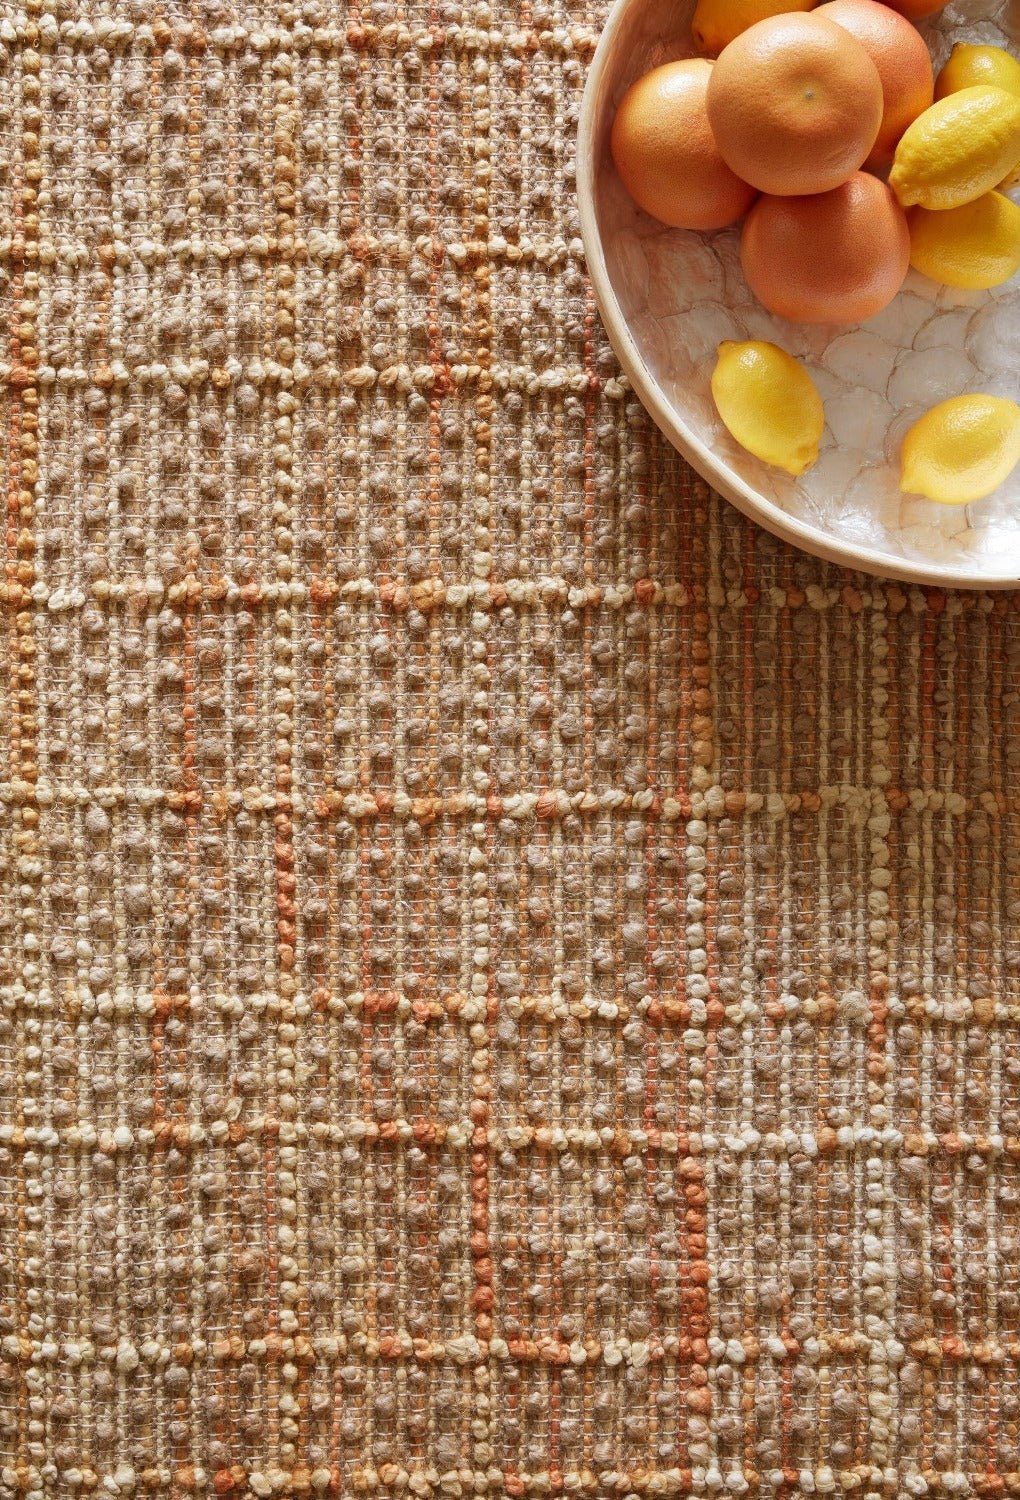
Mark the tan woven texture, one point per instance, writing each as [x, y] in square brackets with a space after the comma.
[508, 976]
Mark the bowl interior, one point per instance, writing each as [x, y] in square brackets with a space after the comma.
[669, 297]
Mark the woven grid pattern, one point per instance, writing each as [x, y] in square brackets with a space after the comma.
[509, 978]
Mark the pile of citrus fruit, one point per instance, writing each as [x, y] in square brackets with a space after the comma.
[825, 131]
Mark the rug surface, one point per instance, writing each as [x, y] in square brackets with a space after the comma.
[509, 977]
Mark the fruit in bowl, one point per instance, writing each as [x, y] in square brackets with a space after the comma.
[795, 104]
[791, 130]
[717, 22]
[961, 147]
[970, 63]
[975, 247]
[666, 155]
[917, 10]
[835, 257]
[961, 450]
[901, 57]
[769, 403]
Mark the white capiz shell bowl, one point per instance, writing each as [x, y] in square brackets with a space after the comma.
[668, 298]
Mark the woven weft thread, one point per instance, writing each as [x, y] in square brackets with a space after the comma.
[508, 976]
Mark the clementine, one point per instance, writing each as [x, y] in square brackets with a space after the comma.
[795, 104]
[901, 56]
[664, 150]
[836, 257]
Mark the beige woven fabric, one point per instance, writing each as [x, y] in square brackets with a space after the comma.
[508, 976]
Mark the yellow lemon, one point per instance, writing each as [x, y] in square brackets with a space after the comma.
[717, 22]
[970, 64]
[976, 246]
[961, 450]
[768, 403]
[958, 149]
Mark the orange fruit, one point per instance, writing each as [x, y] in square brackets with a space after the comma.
[715, 23]
[901, 56]
[836, 257]
[795, 103]
[916, 10]
[665, 153]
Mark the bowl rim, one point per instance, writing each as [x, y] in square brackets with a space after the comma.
[750, 502]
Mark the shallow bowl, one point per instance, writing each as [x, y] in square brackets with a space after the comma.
[668, 297]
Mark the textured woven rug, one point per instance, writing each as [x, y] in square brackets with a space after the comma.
[509, 978]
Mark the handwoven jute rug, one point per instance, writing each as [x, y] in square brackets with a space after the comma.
[509, 975]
